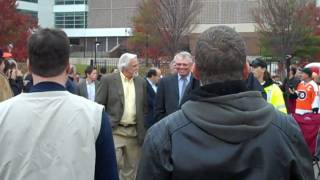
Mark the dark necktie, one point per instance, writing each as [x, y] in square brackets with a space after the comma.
[183, 88]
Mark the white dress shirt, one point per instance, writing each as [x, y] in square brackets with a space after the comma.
[91, 90]
[154, 87]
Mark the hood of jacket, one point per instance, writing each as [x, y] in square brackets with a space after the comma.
[229, 111]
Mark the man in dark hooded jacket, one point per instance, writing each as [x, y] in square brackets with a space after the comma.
[224, 131]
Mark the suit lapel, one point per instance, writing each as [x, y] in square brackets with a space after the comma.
[189, 87]
[118, 82]
[138, 89]
[192, 85]
[85, 89]
[175, 86]
[96, 83]
[150, 88]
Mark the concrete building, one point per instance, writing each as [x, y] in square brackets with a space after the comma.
[233, 13]
[103, 24]
[40, 9]
[118, 13]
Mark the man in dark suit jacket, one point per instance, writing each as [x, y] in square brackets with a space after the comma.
[124, 96]
[174, 90]
[153, 77]
[88, 86]
[71, 84]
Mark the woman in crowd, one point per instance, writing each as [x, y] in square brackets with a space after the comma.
[289, 88]
[274, 93]
[14, 75]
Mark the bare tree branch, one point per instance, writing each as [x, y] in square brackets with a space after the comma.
[172, 20]
[284, 24]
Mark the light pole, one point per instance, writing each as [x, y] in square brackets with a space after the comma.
[96, 44]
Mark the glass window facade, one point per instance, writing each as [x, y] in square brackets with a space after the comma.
[112, 13]
[33, 1]
[70, 19]
[34, 14]
[63, 2]
[227, 11]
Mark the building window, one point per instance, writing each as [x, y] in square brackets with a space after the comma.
[33, 14]
[33, 1]
[67, 2]
[227, 11]
[71, 20]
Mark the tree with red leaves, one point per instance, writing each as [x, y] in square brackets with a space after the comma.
[15, 28]
[145, 39]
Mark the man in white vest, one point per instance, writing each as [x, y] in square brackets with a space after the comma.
[50, 133]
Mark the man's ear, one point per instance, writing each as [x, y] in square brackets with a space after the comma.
[68, 68]
[245, 71]
[195, 72]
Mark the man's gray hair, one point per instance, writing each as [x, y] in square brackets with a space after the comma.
[220, 55]
[125, 59]
[183, 55]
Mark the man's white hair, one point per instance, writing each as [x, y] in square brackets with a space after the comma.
[125, 59]
[184, 55]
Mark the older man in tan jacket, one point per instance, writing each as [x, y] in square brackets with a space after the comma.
[5, 89]
[124, 95]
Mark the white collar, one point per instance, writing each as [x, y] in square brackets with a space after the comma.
[151, 83]
[89, 83]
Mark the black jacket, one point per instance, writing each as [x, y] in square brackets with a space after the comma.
[293, 84]
[224, 133]
[29, 83]
[71, 86]
[167, 98]
[254, 85]
[151, 95]
[16, 85]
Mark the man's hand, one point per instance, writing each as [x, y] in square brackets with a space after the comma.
[291, 91]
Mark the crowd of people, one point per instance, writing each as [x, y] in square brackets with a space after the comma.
[212, 117]
[298, 94]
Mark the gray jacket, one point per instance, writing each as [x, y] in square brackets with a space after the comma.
[237, 136]
[83, 90]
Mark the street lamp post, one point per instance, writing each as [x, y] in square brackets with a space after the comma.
[96, 44]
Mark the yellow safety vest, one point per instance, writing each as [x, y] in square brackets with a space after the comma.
[275, 97]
